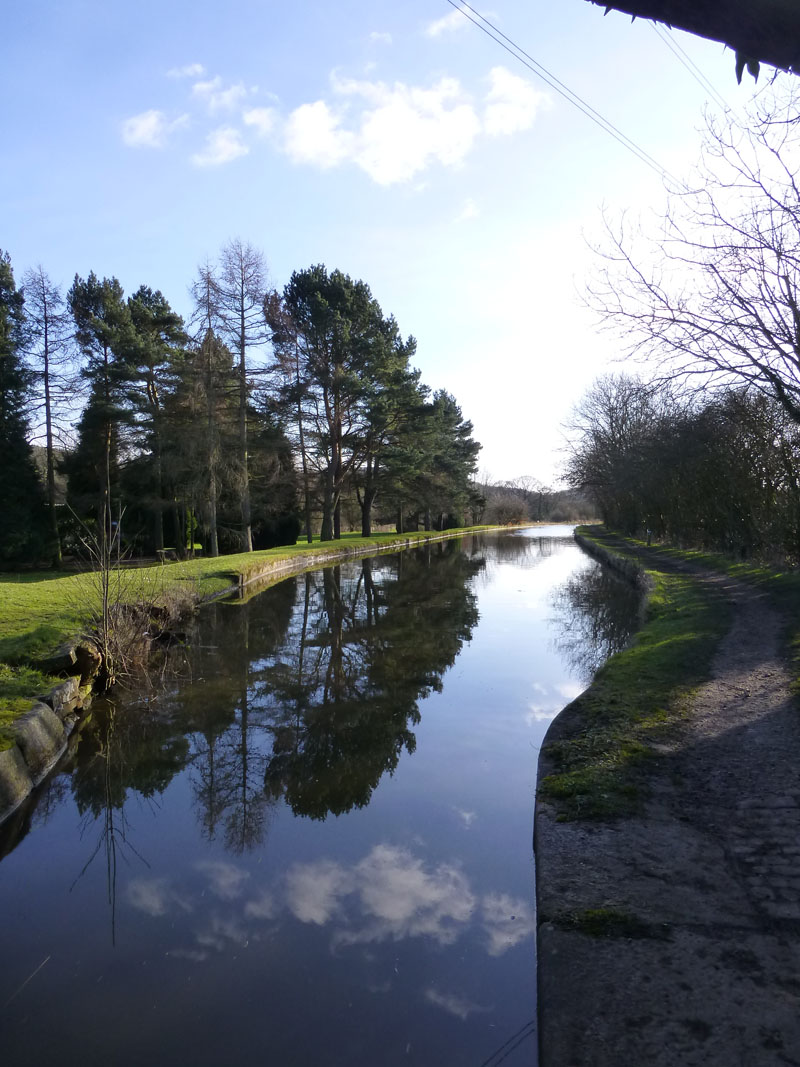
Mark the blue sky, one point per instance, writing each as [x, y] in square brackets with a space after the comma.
[393, 141]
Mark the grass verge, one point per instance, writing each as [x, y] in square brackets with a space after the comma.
[598, 758]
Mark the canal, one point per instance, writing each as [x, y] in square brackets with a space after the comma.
[307, 843]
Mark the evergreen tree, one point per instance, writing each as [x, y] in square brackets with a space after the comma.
[346, 354]
[21, 513]
[441, 478]
[103, 331]
[149, 369]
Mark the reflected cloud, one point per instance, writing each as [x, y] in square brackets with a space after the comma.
[155, 897]
[398, 897]
[507, 921]
[453, 1004]
[221, 933]
[314, 890]
[570, 690]
[402, 899]
[391, 894]
[225, 880]
[263, 907]
[192, 954]
[553, 700]
[542, 713]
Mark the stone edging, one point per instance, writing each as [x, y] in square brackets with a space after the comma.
[40, 738]
[311, 560]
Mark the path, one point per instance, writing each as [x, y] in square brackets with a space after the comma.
[712, 869]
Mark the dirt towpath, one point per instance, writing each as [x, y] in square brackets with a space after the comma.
[710, 871]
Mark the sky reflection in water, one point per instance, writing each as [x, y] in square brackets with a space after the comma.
[315, 847]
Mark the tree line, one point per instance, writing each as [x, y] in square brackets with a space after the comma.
[267, 413]
[706, 450]
[721, 471]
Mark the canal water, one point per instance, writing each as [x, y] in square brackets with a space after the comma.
[308, 842]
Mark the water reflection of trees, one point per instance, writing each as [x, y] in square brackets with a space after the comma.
[524, 549]
[367, 644]
[596, 614]
[308, 692]
[227, 762]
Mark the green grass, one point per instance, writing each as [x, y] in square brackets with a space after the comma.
[18, 686]
[41, 610]
[610, 922]
[782, 588]
[636, 700]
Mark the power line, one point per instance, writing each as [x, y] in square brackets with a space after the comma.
[563, 90]
[686, 60]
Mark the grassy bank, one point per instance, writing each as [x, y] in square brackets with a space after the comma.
[597, 754]
[41, 610]
[781, 586]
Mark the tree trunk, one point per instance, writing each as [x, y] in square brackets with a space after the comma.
[326, 533]
[247, 535]
[51, 467]
[303, 457]
[366, 512]
[213, 540]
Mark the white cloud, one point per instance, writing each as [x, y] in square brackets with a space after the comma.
[512, 103]
[262, 119]
[395, 132]
[468, 211]
[380, 38]
[150, 129]
[191, 70]
[216, 97]
[454, 21]
[225, 880]
[314, 135]
[398, 131]
[222, 146]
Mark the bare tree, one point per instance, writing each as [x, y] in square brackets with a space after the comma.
[241, 286]
[714, 296]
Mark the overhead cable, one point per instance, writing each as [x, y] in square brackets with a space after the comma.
[563, 90]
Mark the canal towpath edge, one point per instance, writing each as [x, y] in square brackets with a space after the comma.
[705, 968]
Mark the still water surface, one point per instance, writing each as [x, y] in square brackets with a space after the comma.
[313, 847]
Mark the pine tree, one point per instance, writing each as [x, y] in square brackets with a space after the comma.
[21, 498]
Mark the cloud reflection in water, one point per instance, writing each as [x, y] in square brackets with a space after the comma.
[388, 896]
